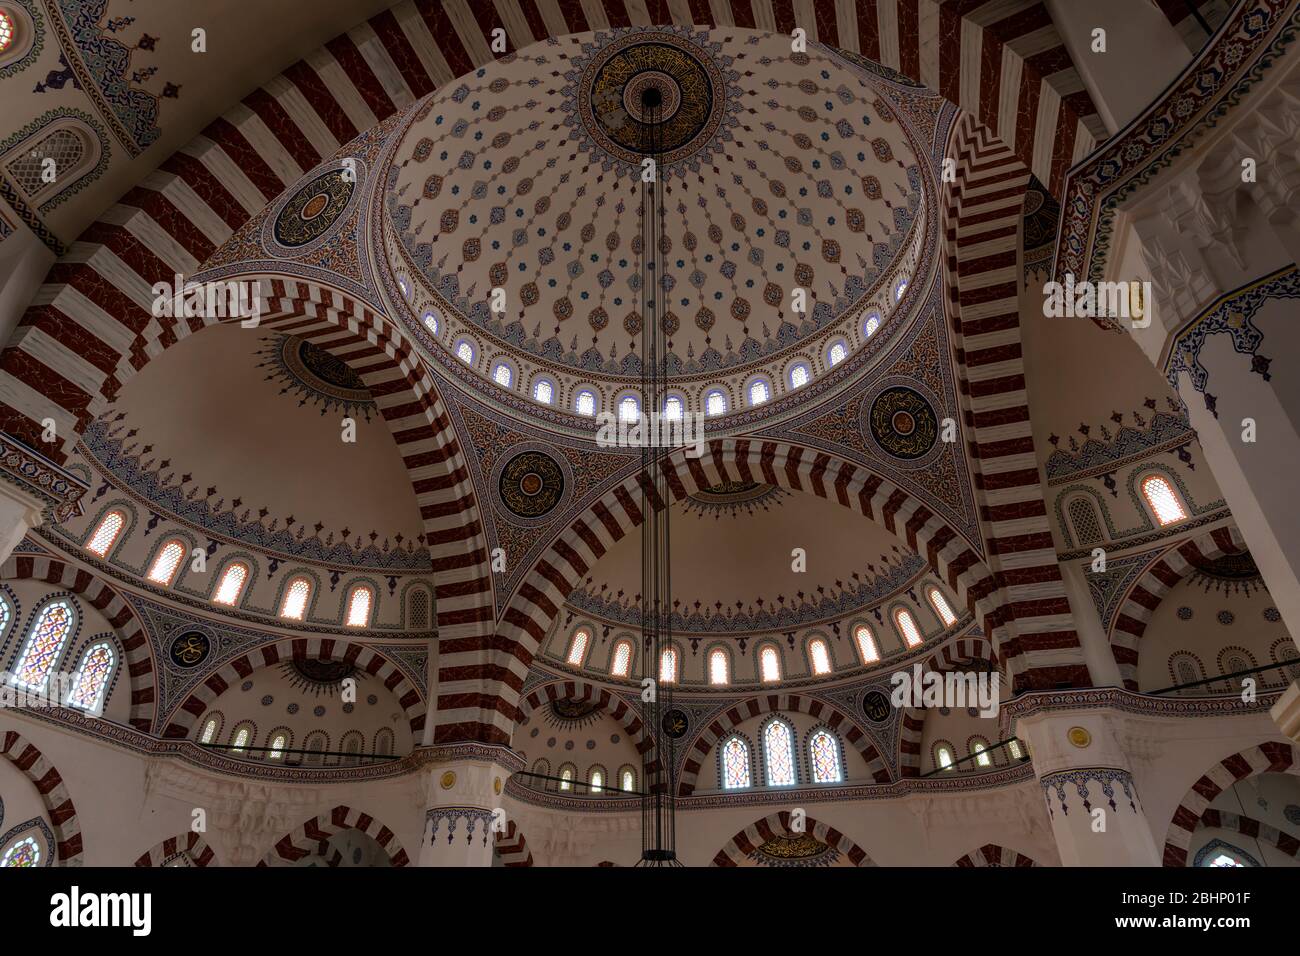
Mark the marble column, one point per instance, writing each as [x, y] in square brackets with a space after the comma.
[1092, 798]
[463, 802]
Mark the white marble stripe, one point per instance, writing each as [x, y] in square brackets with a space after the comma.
[227, 172]
[928, 25]
[422, 42]
[160, 242]
[1049, 109]
[553, 17]
[722, 13]
[846, 21]
[764, 15]
[972, 46]
[372, 50]
[181, 195]
[1009, 96]
[516, 24]
[594, 10]
[476, 44]
[341, 87]
[887, 18]
[303, 115]
[639, 13]
[265, 143]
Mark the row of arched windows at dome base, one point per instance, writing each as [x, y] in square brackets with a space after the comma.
[595, 782]
[233, 578]
[769, 658]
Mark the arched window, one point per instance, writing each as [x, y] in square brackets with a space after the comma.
[72, 146]
[91, 680]
[106, 532]
[837, 354]
[352, 742]
[503, 375]
[359, 602]
[980, 751]
[465, 352]
[820, 657]
[907, 627]
[778, 749]
[899, 289]
[941, 607]
[578, 647]
[45, 640]
[597, 780]
[627, 779]
[8, 30]
[1013, 748]
[943, 758]
[735, 764]
[673, 408]
[769, 663]
[1083, 518]
[25, 853]
[758, 392]
[6, 615]
[316, 744]
[872, 323]
[1162, 500]
[278, 742]
[544, 391]
[668, 666]
[1186, 669]
[866, 644]
[715, 403]
[799, 375]
[586, 403]
[296, 596]
[566, 778]
[628, 409]
[384, 742]
[241, 739]
[165, 565]
[718, 666]
[431, 321]
[232, 584]
[209, 731]
[824, 756]
[622, 659]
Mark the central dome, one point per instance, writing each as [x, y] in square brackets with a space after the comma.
[793, 204]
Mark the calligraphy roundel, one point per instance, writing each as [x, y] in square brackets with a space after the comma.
[309, 214]
[190, 649]
[901, 422]
[532, 483]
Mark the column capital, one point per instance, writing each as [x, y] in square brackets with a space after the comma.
[30, 480]
[1286, 712]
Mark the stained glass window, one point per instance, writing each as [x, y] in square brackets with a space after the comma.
[359, 606]
[821, 658]
[942, 608]
[622, 658]
[586, 403]
[668, 666]
[907, 624]
[164, 566]
[502, 375]
[718, 666]
[716, 403]
[769, 664]
[1160, 496]
[44, 645]
[673, 408]
[799, 376]
[544, 392]
[778, 746]
[101, 542]
[825, 756]
[900, 289]
[26, 852]
[578, 648]
[91, 680]
[6, 31]
[209, 731]
[838, 353]
[232, 584]
[277, 747]
[735, 764]
[758, 393]
[866, 644]
[295, 599]
[597, 781]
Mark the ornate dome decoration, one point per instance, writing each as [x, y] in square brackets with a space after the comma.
[801, 849]
[319, 676]
[315, 376]
[902, 423]
[794, 209]
[304, 219]
[734, 498]
[531, 483]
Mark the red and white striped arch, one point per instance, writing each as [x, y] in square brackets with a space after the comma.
[962, 652]
[493, 677]
[191, 844]
[1033, 631]
[993, 855]
[1270, 757]
[511, 846]
[721, 726]
[105, 599]
[1265, 833]
[185, 717]
[309, 838]
[1157, 581]
[29, 761]
[578, 691]
[774, 825]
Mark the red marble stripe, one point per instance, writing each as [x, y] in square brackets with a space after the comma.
[207, 187]
[445, 36]
[402, 53]
[347, 55]
[616, 13]
[828, 30]
[868, 30]
[783, 11]
[909, 39]
[172, 220]
[573, 15]
[950, 53]
[283, 127]
[316, 93]
[743, 14]
[233, 144]
[533, 16]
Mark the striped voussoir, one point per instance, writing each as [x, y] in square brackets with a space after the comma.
[512, 848]
[969, 651]
[721, 726]
[56, 800]
[1264, 833]
[191, 844]
[183, 719]
[577, 691]
[1034, 632]
[1270, 757]
[568, 559]
[993, 855]
[1156, 581]
[309, 838]
[103, 598]
[745, 843]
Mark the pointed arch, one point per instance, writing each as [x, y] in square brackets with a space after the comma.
[993, 855]
[304, 839]
[193, 846]
[747, 841]
[56, 800]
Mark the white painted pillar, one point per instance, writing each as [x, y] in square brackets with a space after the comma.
[464, 807]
